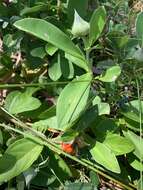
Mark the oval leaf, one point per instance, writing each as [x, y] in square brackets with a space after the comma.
[119, 145]
[111, 74]
[49, 33]
[97, 24]
[104, 156]
[18, 157]
[17, 102]
[72, 100]
[54, 70]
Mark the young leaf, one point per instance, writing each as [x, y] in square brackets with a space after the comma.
[72, 100]
[80, 27]
[104, 156]
[18, 102]
[81, 6]
[50, 33]
[97, 24]
[18, 157]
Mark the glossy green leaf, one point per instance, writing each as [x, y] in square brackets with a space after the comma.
[110, 75]
[54, 70]
[18, 157]
[139, 28]
[104, 156]
[72, 100]
[138, 143]
[18, 102]
[97, 24]
[50, 33]
[118, 144]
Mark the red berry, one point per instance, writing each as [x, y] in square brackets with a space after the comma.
[68, 148]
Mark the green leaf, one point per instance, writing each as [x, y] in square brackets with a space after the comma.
[18, 102]
[18, 157]
[135, 162]
[67, 69]
[110, 75]
[50, 112]
[54, 70]
[50, 33]
[139, 28]
[38, 52]
[119, 145]
[35, 9]
[132, 110]
[103, 108]
[94, 177]
[104, 126]
[138, 143]
[50, 49]
[59, 167]
[43, 125]
[97, 24]
[104, 156]
[72, 100]
[79, 62]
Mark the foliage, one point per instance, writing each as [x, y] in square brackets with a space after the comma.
[71, 76]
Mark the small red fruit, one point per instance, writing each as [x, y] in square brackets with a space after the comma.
[68, 148]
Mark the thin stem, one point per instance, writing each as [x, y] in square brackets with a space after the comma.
[5, 86]
[140, 119]
[54, 147]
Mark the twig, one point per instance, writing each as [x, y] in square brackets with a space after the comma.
[47, 142]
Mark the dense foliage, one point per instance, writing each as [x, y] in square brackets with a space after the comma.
[71, 97]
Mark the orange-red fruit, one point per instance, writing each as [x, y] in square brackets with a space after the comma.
[68, 148]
